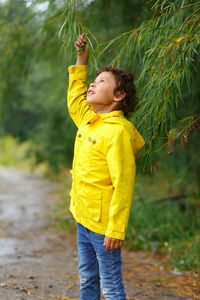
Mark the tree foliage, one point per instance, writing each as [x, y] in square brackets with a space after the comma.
[164, 54]
[33, 81]
[15, 49]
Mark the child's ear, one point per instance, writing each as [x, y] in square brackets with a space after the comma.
[119, 96]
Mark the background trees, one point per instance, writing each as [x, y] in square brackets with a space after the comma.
[33, 80]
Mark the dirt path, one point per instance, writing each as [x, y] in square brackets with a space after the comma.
[38, 263]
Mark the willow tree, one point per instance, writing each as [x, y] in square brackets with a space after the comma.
[163, 52]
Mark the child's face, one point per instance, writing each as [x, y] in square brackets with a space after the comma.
[101, 92]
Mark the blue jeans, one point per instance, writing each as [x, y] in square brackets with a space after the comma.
[98, 265]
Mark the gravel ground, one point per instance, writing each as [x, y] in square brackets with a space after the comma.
[38, 263]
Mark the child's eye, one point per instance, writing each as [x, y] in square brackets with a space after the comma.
[102, 81]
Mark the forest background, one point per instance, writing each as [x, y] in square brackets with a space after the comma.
[159, 42]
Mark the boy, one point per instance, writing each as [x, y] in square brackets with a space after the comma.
[103, 172]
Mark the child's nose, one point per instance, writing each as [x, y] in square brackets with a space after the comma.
[92, 84]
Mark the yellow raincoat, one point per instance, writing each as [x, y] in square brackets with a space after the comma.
[103, 171]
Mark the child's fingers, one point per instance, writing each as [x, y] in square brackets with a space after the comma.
[85, 36]
[112, 244]
[80, 42]
[82, 39]
[78, 45]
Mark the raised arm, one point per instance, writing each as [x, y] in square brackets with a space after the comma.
[82, 49]
[79, 110]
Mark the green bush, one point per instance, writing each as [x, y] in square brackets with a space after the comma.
[169, 227]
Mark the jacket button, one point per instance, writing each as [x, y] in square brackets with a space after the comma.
[79, 135]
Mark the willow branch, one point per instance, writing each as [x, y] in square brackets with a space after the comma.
[188, 18]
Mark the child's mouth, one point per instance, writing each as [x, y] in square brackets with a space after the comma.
[90, 92]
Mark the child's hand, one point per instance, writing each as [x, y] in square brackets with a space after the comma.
[80, 42]
[112, 244]
[82, 48]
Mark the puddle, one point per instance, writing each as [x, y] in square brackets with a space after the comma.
[22, 213]
[21, 200]
[7, 247]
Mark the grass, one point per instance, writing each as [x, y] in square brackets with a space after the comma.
[163, 225]
[167, 228]
[186, 253]
[14, 154]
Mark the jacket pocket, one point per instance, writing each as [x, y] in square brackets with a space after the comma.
[89, 201]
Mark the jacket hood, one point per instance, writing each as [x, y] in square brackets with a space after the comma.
[117, 117]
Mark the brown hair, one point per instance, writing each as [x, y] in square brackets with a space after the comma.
[124, 83]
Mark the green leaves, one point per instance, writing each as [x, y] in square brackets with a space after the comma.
[161, 52]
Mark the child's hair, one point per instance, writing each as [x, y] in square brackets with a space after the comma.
[124, 83]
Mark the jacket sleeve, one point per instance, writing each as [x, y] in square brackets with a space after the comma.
[121, 164]
[79, 110]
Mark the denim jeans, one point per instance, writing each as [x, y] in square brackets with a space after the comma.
[96, 265]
